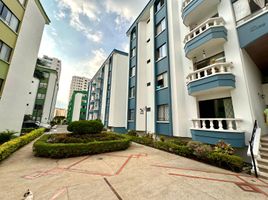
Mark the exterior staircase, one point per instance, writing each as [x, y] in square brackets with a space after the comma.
[263, 159]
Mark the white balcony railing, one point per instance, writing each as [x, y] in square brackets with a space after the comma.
[210, 23]
[217, 68]
[217, 124]
[186, 3]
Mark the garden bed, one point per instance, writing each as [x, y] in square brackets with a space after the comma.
[220, 155]
[72, 145]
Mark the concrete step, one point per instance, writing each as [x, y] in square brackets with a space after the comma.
[263, 175]
[263, 168]
[264, 145]
[262, 161]
[264, 155]
[264, 150]
[264, 140]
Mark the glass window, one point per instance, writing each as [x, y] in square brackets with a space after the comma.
[133, 34]
[133, 52]
[132, 92]
[40, 96]
[161, 52]
[131, 114]
[46, 75]
[159, 5]
[5, 52]
[161, 27]
[14, 23]
[161, 81]
[1, 83]
[163, 113]
[132, 71]
[1, 6]
[43, 85]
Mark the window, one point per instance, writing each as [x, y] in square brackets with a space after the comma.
[161, 81]
[163, 113]
[159, 5]
[46, 75]
[5, 51]
[161, 26]
[43, 85]
[1, 83]
[132, 71]
[131, 114]
[7, 16]
[133, 34]
[40, 96]
[132, 92]
[133, 52]
[161, 52]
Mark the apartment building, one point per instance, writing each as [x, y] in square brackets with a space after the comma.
[60, 112]
[78, 84]
[45, 87]
[198, 68]
[21, 27]
[107, 92]
[77, 108]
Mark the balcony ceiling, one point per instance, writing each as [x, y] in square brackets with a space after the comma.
[258, 53]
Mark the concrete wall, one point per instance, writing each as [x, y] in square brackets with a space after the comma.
[15, 93]
[77, 107]
[32, 96]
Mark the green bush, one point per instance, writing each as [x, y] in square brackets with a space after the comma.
[86, 127]
[202, 151]
[11, 146]
[6, 136]
[42, 148]
[132, 133]
[143, 140]
[222, 147]
[235, 163]
[27, 130]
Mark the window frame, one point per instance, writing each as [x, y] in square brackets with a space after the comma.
[165, 81]
[159, 51]
[161, 24]
[163, 117]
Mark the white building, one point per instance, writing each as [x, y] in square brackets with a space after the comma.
[46, 91]
[20, 35]
[60, 112]
[199, 68]
[78, 84]
[107, 92]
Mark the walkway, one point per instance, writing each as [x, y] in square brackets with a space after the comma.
[135, 174]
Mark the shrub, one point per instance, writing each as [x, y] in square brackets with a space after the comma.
[143, 140]
[202, 151]
[27, 130]
[178, 142]
[59, 150]
[11, 146]
[162, 138]
[193, 144]
[235, 163]
[6, 136]
[86, 127]
[132, 133]
[222, 147]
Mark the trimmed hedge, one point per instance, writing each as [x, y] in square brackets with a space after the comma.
[86, 127]
[194, 150]
[13, 145]
[60, 150]
[27, 130]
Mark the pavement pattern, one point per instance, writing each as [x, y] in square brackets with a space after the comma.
[135, 174]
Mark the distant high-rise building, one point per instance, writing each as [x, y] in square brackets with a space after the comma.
[45, 89]
[60, 112]
[78, 84]
[21, 28]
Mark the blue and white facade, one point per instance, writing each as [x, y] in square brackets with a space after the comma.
[194, 67]
[107, 92]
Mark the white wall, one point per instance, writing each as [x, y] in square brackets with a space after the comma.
[21, 69]
[77, 107]
[32, 96]
[104, 92]
[119, 91]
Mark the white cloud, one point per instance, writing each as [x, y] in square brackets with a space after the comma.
[78, 9]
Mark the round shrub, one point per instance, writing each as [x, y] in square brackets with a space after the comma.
[86, 127]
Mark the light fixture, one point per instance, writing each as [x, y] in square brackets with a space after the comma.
[204, 54]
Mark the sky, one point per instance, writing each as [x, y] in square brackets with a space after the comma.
[82, 34]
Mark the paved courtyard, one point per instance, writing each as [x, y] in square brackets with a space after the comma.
[137, 173]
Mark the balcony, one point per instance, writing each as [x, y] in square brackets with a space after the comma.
[211, 131]
[195, 10]
[211, 33]
[213, 78]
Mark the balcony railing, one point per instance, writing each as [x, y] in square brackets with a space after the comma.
[217, 124]
[186, 3]
[217, 68]
[210, 23]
